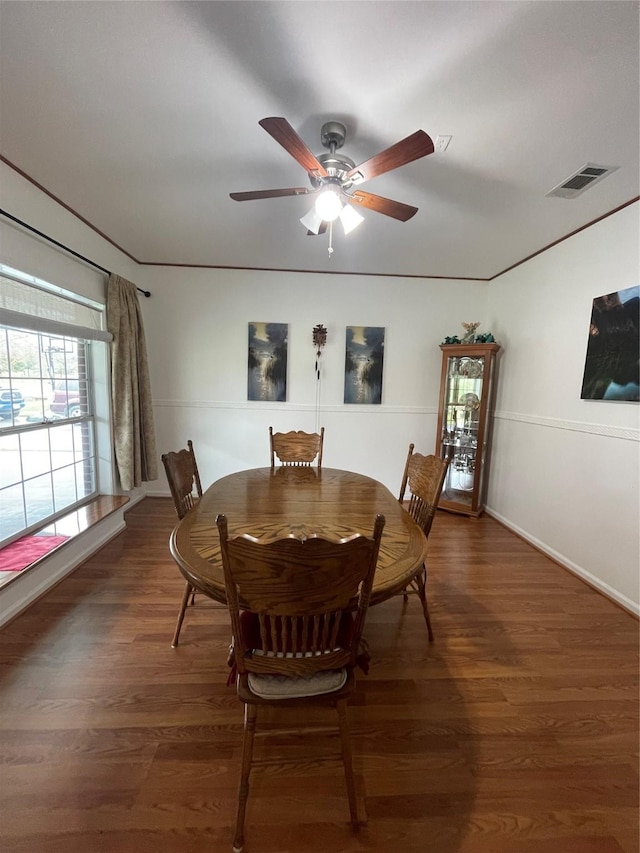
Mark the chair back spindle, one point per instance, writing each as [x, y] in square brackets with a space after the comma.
[183, 477]
[300, 589]
[424, 477]
[296, 448]
[297, 639]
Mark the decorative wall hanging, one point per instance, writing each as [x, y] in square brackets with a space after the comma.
[319, 335]
[470, 336]
[363, 364]
[611, 369]
[267, 363]
[319, 340]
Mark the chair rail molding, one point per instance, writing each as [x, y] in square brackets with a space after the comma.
[253, 405]
[627, 433]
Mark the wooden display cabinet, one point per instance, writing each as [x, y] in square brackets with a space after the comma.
[467, 388]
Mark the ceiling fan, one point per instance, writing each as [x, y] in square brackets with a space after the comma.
[333, 177]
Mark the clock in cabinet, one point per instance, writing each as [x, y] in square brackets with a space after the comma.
[467, 388]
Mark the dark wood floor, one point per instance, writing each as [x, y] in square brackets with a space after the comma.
[515, 732]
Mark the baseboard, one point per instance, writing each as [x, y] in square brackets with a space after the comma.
[611, 593]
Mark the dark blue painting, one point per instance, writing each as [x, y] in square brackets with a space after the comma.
[267, 378]
[363, 364]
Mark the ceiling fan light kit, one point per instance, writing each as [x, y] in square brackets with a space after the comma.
[328, 204]
[332, 176]
[312, 221]
[350, 218]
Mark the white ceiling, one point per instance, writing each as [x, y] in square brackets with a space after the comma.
[142, 117]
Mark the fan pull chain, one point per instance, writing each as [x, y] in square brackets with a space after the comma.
[330, 239]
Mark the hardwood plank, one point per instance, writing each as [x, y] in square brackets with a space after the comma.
[516, 731]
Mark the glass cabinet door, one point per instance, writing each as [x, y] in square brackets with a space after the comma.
[463, 429]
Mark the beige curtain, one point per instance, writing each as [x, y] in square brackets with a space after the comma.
[134, 435]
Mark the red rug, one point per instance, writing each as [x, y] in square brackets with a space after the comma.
[21, 553]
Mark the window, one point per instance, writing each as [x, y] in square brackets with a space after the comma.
[48, 460]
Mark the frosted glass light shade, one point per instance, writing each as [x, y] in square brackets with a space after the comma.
[312, 221]
[328, 205]
[350, 218]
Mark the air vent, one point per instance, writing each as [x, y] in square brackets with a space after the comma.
[581, 180]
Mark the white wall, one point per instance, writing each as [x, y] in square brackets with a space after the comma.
[197, 335]
[566, 471]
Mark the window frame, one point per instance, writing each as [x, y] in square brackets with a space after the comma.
[96, 422]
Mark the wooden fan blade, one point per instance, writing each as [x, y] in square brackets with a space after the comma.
[283, 133]
[396, 209]
[419, 144]
[321, 230]
[250, 196]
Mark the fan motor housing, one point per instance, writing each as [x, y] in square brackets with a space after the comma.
[333, 135]
[337, 169]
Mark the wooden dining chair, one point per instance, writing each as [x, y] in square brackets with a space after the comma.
[304, 602]
[424, 476]
[296, 447]
[186, 489]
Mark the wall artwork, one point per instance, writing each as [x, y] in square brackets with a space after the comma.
[267, 377]
[363, 364]
[612, 370]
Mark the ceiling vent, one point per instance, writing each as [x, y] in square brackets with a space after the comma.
[581, 180]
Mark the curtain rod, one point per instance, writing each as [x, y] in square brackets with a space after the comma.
[62, 246]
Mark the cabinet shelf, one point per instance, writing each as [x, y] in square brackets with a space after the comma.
[467, 387]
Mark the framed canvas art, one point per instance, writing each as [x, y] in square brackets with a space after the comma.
[267, 362]
[364, 359]
[612, 370]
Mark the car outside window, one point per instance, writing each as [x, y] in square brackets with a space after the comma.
[69, 398]
[48, 461]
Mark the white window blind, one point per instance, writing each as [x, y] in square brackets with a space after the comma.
[31, 306]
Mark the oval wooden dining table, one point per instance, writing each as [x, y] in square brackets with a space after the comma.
[267, 502]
